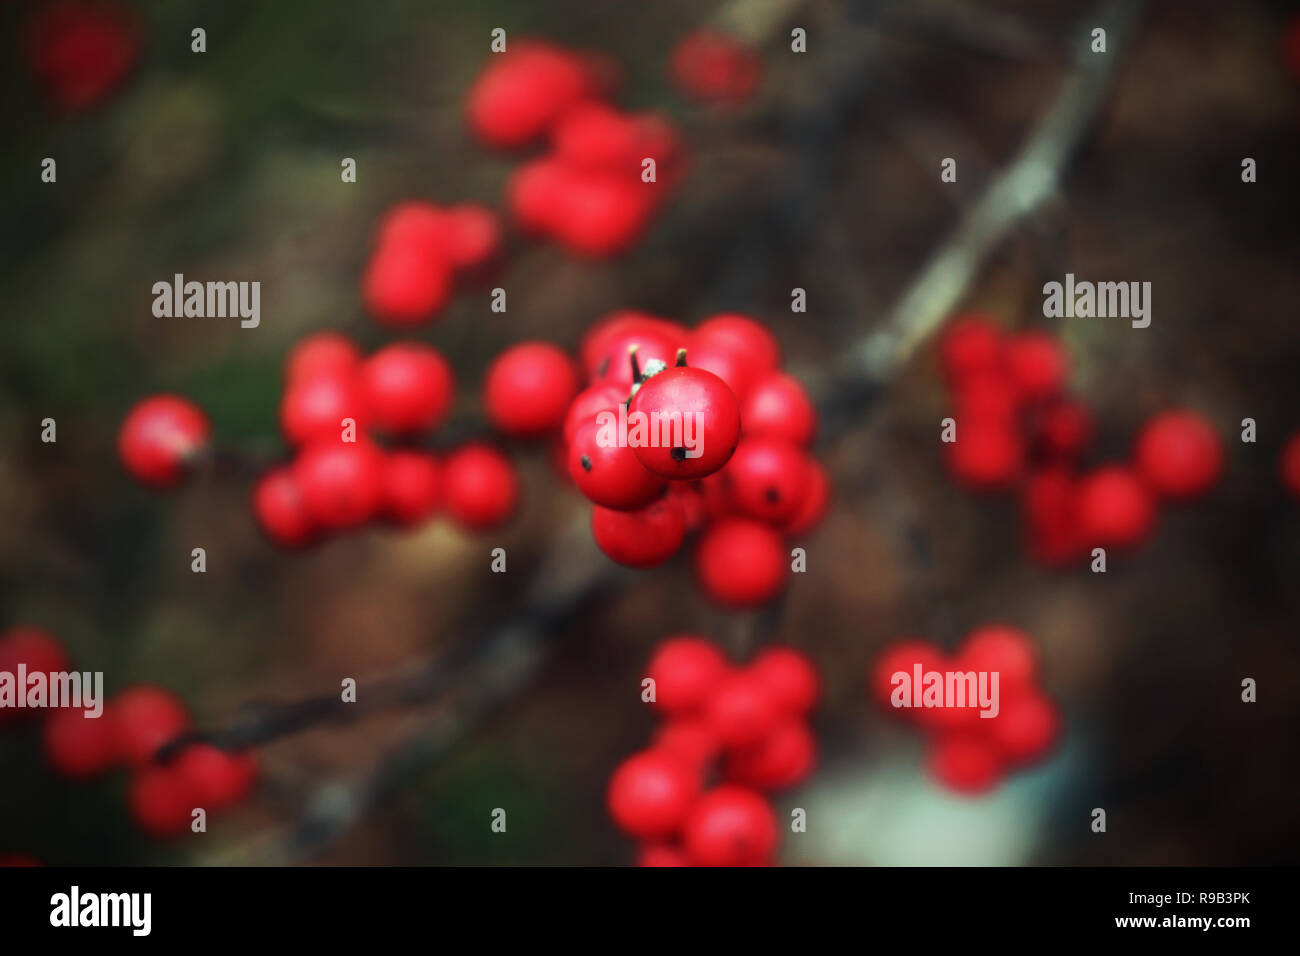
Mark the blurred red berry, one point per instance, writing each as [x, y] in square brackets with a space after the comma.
[79, 746]
[597, 136]
[523, 91]
[661, 855]
[747, 338]
[480, 488]
[1025, 728]
[715, 68]
[642, 538]
[326, 354]
[215, 778]
[342, 482]
[686, 670]
[902, 657]
[528, 389]
[412, 486]
[1115, 508]
[988, 455]
[778, 407]
[743, 709]
[81, 50]
[1289, 465]
[1064, 430]
[730, 826]
[813, 503]
[280, 509]
[160, 438]
[740, 562]
[965, 763]
[1007, 651]
[316, 407]
[1037, 364]
[782, 759]
[969, 345]
[146, 718]
[1050, 514]
[767, 479]
[405, 285]
[789, 677]
[650, 794]
[690, 739]
[408, 387]
[1178, 454]
[161, 801]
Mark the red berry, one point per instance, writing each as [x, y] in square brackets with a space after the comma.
[778, 407]
[216, 779]
[471, 234]
[81, 51]
[743, 709]
[780, 760]
[690, 739]
[748, 339]
[691, 420]
[728, 360]
[1050, 508]
[965, 763]
[78, 745]
[990, 397]
[405, 285]
[160, 438]
[412, 487]
[536, 194]
[610, 474]
[767, 478]
[661, 855]
[37, 651]
[730, 826]
[686, 670]
[146, 718]
[1115, 508]
[1025, 728]
[598, 344]
[790, 678]
[1178, 454]
[987, 455]
[325, 353]
[280, 509]
[597, 136]
[1064, 430]
[642, 538]
[161, 801]
[650, 793]
[589, 403]
[1037, 364]
[612, 364]
[413, 224]
[694, 507]
[1007, 651]
[715, 68]
[479, 487]
[969, 345]
[525, 90]
[813, 503]
[601, 214]
[1289, 465]
[342, 483]
[529, 388]
[316, 407]
[408, 387]
[902, 657]
[741, 562]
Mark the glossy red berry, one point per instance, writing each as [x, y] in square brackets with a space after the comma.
[342, 482]
[730, 826]
[280, 509]
[611, 363]
[323, 354]
[408, 387]
[217, 779]
[80, 746]
[161, 801]
[1178, 454]
[767, 478]
[81, 51]
[1114, 508]
[1007, 651]
[741, 562]
[789, 677]
[160, 438]
[412, 487]
[589, 403]
[747, 338]
[316, 407]
[782, 759]
[726, 359]
[480, 488]
[1037, 364]
[681, 407]
[778, 407]
[1025, 728]
[524, 91]
[146, 718]
[686, 671]
[965, 763]
[529, 388]
[610, 474]
[715, 68]
[405, 285]
[642, 538]
[650, 794]
[743, 709]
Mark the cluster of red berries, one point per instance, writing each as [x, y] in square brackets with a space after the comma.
[420, 248]
[80, 51]
[696, 796]
[132, 729]
[593, 191]
[746, 480]
[715, 68]
[1017, 430]
[970, 753]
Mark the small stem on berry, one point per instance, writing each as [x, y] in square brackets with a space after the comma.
[681, 358]
[636, 365]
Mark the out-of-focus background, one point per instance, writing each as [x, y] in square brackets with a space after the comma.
[226, 164]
